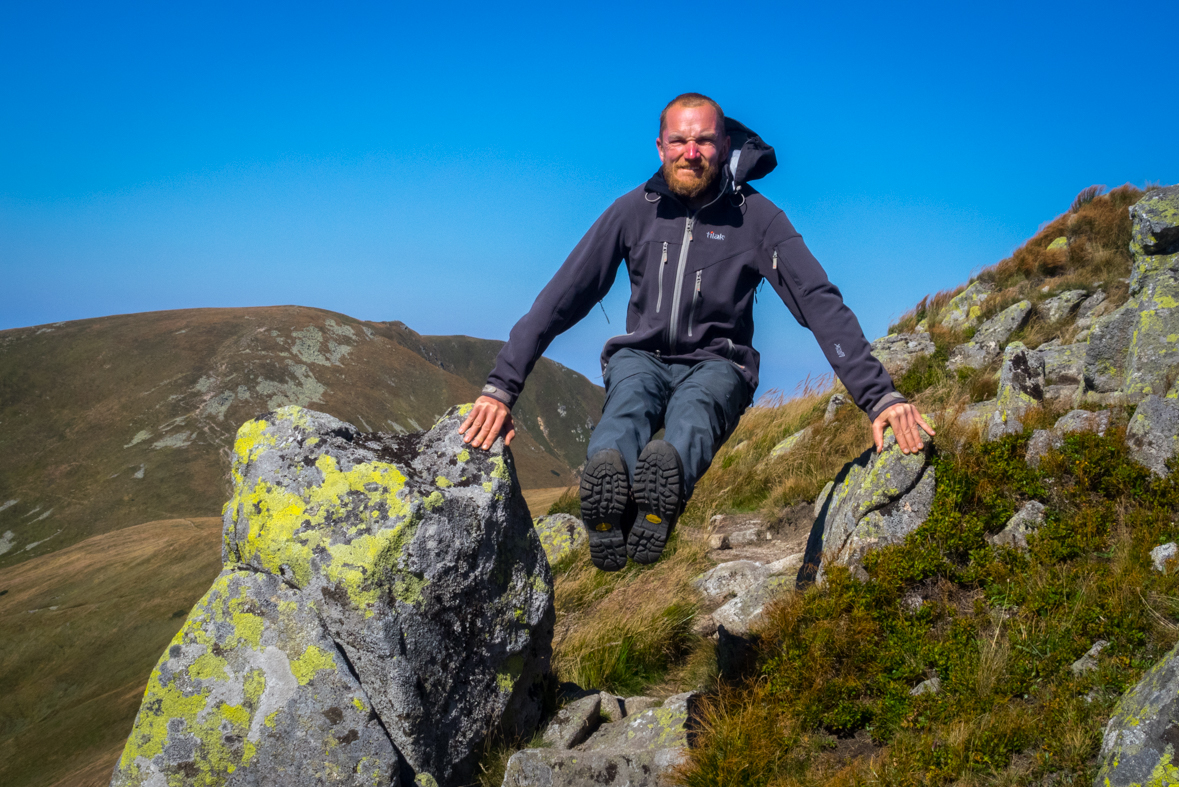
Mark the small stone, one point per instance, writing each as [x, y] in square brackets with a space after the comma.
[837, 401]
[1088, 662]
[931, 686]
[1026, 521]
[792, 442]
[1059, 244]
[704, 626]
[912, 603]
[719, 541]
[1061, 395]
[1056, 309]
[747, 536]
[1000, 424]
[611, 708]
[787, 565]
[574, 723]
[1043, 442]
[897, 352]
[636, 705]
[1163, 554]
[1076, 421]
[729, 579]
[965, 309]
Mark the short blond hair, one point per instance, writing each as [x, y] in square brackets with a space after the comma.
[692, 100]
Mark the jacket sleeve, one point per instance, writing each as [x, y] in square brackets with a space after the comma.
[817, 304]
[582, 281]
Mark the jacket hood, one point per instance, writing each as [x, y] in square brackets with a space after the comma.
[750, 158]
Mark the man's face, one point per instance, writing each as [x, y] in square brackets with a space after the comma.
[691, 148]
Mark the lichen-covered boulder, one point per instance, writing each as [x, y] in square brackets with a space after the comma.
[1091, 308]
[1064, 364]
[1139, 746]
[560, 536]
[879, 499]
[1021, 380]
[972, 355]
[253, 690]
[738, 615]
[1000, 327]
[899, 351]
[415, 555]
[1153, 433]
[641, 750]
[1135, 350]
[965, 309]
[1056, 309]
[730, 579]
[791, 442]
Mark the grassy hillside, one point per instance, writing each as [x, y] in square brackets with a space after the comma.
[128, 419]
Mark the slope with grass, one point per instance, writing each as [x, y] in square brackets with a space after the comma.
[120, 420]
[831, 698]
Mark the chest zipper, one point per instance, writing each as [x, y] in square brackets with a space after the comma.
[775, 259]
[695, 299]
[662, 265]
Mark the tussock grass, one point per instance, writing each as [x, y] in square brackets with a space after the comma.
[568, 503]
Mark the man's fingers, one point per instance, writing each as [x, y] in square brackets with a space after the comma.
[474, 421]
[511, 427]
[928, 429]
[878, 433]
[493, 432]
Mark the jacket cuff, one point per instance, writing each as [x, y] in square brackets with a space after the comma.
[500, 394]
[886, 401]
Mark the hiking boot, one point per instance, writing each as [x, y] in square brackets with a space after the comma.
[659, 484]
[605, 489]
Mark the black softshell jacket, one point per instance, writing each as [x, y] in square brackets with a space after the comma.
[692, 281]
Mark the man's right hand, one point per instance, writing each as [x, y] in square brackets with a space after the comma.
[485, 421]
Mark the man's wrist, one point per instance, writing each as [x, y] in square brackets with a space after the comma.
[497, 394]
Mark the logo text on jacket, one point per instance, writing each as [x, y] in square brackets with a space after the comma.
[715, 235]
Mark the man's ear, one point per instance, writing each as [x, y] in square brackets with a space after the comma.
[659, 147]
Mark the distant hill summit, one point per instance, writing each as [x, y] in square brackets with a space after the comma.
[114, 421]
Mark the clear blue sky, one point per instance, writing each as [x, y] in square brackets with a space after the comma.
[434, 163]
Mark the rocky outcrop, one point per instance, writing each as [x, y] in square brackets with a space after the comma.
[899, 351]
[560, 536]
[385, 602]
[1153, 434]
[1139, 745]
[965, 309]
[640, 750]
[791, 442]
[877, 500]
[1135, 349]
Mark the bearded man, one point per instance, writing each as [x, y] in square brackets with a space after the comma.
[697, 240]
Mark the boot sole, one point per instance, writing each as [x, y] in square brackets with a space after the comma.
[659, 482]
[605, 488]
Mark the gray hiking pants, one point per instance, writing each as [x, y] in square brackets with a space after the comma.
[697, 405]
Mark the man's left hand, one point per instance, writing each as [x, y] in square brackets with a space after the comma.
[904, 419]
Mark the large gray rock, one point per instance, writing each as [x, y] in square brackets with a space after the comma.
[972, 355]
[1078, 421]
[965, 309]
[880, 500]
[254, 691]
[1056, 309]
[1153, 434]
[1021, 380]
[1042, 443]
[1091, 308]
[899, 351]
[640, 751]
[1135, 350]
[1139, 745]
[416, 557]
[792, 442]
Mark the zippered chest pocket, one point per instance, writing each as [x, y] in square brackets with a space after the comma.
[695, 302]
[662, 266]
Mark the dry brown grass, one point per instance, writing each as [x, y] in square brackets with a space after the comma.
[625, 631]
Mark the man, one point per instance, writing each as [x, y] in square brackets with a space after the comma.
[697, 240]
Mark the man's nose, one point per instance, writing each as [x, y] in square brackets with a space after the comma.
[691, 150]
